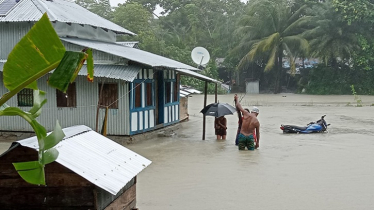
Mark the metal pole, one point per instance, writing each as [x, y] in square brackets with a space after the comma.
[216, 94]
[205, 97]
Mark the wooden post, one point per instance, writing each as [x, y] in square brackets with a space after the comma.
[205, 97]
[98, 106]
[215, 101]
[104, 128]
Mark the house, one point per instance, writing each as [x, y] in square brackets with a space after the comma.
[140, 89]
[184, 93]
[91, 172]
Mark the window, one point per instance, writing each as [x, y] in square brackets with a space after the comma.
[167, 92]
[175, 91]
[149, 91]
[138, 95]
[25, 97]
[109, 96]
[68, 99]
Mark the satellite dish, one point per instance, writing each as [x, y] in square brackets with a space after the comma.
[200, 56]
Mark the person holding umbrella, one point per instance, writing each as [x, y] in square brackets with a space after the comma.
[220, 126]
[219, 110]
[250, 124]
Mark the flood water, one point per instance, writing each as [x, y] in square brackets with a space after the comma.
[289, 171]
[333, 170]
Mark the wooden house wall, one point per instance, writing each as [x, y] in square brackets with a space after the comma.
[65, 189]
[83, 114]
[142, 118]
[125, 198]
[183, 104]
[161, 113]
[171, 112]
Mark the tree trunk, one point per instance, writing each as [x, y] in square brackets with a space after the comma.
[278, 73]
[334, 63]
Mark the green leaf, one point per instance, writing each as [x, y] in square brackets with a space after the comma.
[36, 54]
[15, 111]
[67, 70]
[32, 172]
[90, 66]
[50, 156]
[39, 101]
[54, 138]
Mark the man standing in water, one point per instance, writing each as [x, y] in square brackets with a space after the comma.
[249, 125]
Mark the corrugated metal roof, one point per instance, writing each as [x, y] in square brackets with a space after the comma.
[122, 72]
[127, 73]
[129, 44]
[185, 91]
[129, 53]
[140, 56]
[196, 75]
[61, 11]
[96, 158]
[189, 90]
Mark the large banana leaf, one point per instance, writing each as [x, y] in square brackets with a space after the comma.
[32, 172]
[67, 71]
[90, 66]
[37, 53]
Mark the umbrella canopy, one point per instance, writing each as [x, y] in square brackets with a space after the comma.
[218, 109]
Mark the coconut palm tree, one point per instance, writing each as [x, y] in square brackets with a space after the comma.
[332, 39]
[271, 30]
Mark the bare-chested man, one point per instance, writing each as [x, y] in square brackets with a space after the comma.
[249, 125]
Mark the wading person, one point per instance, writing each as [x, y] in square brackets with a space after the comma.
[257, 112]
[220, 124]
[239, 124]
[250, 125]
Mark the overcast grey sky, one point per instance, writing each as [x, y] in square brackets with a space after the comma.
[114, 3]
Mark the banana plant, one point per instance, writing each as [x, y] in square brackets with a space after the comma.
[38, 53]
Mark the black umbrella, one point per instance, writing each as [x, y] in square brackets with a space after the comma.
[218, 109]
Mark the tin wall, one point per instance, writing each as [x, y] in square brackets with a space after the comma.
[83, 114]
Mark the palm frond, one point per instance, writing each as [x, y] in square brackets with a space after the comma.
[295, 27]
[271, 61]
[297, 43]
[264, 45]
[296, 15]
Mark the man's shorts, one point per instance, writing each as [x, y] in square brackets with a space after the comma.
[221, 132]
[246, 141]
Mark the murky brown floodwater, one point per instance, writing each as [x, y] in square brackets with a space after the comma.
[311, 171]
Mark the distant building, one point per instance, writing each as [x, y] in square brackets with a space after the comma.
[185, 92]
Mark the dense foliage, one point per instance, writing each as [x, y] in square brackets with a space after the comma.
[327, 81]
[256, 38]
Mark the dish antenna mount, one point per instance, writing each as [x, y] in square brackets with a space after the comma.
[200, 56]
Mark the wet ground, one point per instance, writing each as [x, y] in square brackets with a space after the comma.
[311, 171]
[289, 171]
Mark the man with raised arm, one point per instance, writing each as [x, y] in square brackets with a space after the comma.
[249, 125]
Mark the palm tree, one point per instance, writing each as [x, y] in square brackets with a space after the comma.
[332, 39]
[270, 30]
